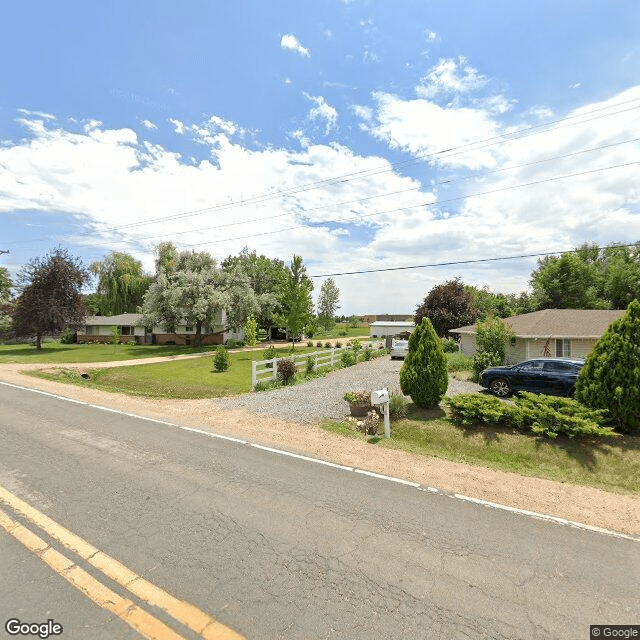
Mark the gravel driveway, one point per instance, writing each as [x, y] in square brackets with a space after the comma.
[322, 397]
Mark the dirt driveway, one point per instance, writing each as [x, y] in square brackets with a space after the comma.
[582, 504]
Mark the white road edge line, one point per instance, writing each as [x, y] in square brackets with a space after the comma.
[457, 496]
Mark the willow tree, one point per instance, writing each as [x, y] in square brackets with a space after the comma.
[122, 283]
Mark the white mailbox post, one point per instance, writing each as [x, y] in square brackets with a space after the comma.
[381, 398]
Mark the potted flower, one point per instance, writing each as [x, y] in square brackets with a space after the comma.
[359, 402]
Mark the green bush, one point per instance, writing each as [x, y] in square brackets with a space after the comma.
[221, 359]
[474, 408]
[266, 385]
[69, 336]
[311, 365]
[342, 333]
[269, 353]
[115, 335]
[251, 331]
[233, 344]
[483, 360]
[356, 345]
[610, 377]
[327, 345]
[309, 343]
[423, 375]
[458, 362]
[543, 415]
[367, 353]
[337, 345]
[449, 345]
[318, 344]
[348, 358]
[287, 370]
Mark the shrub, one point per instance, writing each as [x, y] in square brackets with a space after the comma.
[356, 345]
[492, 336]
[610, 377]
[483, 360]
[269, 353]
[397, 405]
[251, 331]
[221, 359]
[449, 345]
[357, 397]
[318, 345]
[367, 353]
[115, 335]
[474, 408]
[459, 362]
[286, 370]
[327, 345]
[423, 375]
[69, 336]
[265, 385]
[337, 344]
[348, 358]
[342, 333]
[311, 365]
[231, 343]
[309, 343]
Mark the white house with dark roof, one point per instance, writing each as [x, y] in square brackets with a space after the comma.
[554, 333]
[385, 328]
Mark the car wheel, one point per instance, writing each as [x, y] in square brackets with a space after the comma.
[500, 387]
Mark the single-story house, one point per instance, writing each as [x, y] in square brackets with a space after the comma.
[100, 329]
[393, 317]
[385, 328]
[553, 333]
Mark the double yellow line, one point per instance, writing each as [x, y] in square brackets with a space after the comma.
[143, 622]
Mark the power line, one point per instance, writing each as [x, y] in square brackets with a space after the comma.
[457, 262]
[424, 204]
[515, 135]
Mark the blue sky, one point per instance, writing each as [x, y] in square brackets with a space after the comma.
[360, 135]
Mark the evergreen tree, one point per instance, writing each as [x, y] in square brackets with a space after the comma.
[423, 375]
[295, 299]
[328, 303]
[610, 378]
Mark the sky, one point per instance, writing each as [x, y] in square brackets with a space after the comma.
[362, 135]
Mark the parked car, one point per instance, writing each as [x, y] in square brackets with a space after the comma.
[399, 349]
[553, 376]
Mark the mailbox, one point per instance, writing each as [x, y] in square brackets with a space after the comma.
[380, 397]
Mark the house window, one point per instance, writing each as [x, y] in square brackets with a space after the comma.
[188, 329]
[91, 330]
[563, 348]
[126, 331]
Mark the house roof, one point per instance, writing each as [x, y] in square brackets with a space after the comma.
[391, 323]
[122, 319]
[557, 323]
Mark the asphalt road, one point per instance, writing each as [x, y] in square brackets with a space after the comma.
[278, 547]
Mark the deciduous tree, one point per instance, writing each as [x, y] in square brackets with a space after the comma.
[50, 299]
[328, 303]
[447, 306]
[295, 299]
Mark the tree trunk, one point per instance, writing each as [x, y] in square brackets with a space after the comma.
[198, 339]
[38, 341]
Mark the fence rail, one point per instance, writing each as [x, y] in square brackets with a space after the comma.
[262, 370]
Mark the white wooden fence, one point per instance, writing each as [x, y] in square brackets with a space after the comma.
[262, 370]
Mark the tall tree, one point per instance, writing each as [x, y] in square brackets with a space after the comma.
[5, 285]
[267, 277]
[191, 289]
[448, 305]
[6, 305]
[328, 303]
[570, 281]
[295, 299]
[50, 298]
[122, 283]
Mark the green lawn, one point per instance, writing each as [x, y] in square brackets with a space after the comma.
[53, 352]
[612, 466]
[352, 332]
[190, 378]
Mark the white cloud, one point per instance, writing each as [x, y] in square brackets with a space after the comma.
[322, 111]
[37, 114]
[431, 35]
[450, 76]
[290, 42]
[149, 125]
[577, 85]
[178, 125]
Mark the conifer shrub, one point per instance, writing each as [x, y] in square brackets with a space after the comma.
[221, 359]
[348, 358]
[610, 377]
[423, 375]
[286, 370]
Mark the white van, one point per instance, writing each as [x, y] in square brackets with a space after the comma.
[399, 348]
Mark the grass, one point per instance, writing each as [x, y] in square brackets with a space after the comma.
[54, 352]
[181, 379]
[612, 466]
